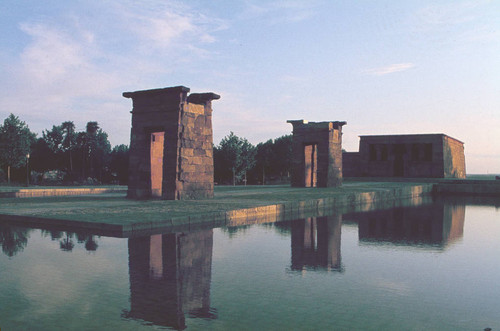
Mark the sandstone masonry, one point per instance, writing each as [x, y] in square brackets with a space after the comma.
[412, 155]
[317, 153]
[171, 144]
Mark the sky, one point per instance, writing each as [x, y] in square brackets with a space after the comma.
[385, 67]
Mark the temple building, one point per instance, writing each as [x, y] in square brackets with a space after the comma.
[413, 156]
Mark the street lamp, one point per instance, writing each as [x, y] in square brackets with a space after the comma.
[27, 170]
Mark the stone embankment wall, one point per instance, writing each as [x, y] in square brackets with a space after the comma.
[35, 193]
[469, 187]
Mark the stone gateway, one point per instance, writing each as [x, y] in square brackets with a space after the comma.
[171, 144]
[317, 153]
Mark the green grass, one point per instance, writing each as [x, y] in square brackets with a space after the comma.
[114, 208]
[482, 176]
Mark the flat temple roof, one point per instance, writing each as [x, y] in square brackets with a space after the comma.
[388, 136]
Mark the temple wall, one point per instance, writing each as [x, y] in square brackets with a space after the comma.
[414, 156]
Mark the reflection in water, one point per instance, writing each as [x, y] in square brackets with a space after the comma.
[316, 243]
[13, 239]
[170, 275]
[66, 239]
[437, 224]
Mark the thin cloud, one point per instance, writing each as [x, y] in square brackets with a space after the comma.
[166, 25]
[444, 15]
[75, 66]
[278, 12]
[390, 69]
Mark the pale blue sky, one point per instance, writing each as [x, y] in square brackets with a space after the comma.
[385, 67]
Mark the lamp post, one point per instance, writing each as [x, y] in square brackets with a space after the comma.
[27, 170]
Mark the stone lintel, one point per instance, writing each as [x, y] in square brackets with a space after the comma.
[166, 90]
[423, 136]
[202, 98]
[338, 124]
[303, 124]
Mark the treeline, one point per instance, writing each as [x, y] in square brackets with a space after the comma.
[237, 161]
[14, 240]
[63, 155]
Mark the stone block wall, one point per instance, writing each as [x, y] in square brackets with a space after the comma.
[401, 156]
[185, 123]
[195, 173]
[350, 164]
[419, 155]
[454, 158]
[317, 154]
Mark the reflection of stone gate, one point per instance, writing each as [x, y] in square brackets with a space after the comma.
[316, 243]
[170, 276]
[171, 144]
[317, 154]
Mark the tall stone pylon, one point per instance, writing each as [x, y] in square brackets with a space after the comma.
[316, 153]
[171, 144]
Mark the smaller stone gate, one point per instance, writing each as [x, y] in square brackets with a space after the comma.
[171, 144]
[317, 153]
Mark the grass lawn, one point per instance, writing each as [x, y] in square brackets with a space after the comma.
[114, 208]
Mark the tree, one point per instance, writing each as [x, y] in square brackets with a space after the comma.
[100, 154]
[60, 140]
[42, 158]
[69, 140]
[94, 148]
[91, 135]
[233, 158]
[119, 163]
[263, 158]
[282, 155]
[54, 139]
[15, 142]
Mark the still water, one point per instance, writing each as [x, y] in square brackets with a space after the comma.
[435, 266]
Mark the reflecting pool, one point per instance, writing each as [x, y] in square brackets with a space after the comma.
[432, 266]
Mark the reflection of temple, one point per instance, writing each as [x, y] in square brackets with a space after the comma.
[316, 242]
[435, 224]
[169, 276]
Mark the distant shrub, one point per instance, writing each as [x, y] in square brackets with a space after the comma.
[53, 177]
